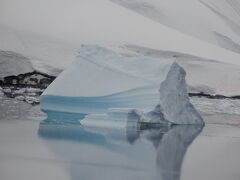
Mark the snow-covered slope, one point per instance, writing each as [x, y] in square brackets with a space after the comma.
[46, 54]
[104, 22]
[48, 32]
[204, 19]
[203, 75]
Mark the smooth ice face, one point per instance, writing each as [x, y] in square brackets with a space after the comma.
[103, 83]
[101, 79]
[174, 98]
[98, 71]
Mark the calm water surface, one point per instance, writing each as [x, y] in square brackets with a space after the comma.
[34, 149]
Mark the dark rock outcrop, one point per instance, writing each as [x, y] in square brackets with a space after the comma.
[32, 79]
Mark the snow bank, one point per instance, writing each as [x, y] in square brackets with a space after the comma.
[13, 64]
[46, 54]
[101, 80]
[198, 18]
[55, 43]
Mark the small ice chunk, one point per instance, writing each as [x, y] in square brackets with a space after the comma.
[19, 91]
[20, 98]
[7, 90]
[31, 100]
[156, 116]
[32, 90]
[1, 93]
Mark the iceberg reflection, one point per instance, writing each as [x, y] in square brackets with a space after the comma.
[123, 152]
[172, 149]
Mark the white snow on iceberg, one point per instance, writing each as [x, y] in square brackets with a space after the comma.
[101, 79]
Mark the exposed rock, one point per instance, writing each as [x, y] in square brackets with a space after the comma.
[210, 96]
[19, 91]
[31, 79]
[26, 87]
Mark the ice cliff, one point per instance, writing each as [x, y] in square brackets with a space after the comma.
[12, 63]
[174, 98]
[101, 79]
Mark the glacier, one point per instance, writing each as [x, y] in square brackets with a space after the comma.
[197, 18]
[51, 47]
[101, 80]
[13, 64]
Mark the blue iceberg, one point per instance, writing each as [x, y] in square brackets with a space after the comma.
[101, 79]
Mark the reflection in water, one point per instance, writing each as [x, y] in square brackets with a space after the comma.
[172, 148]
[170, 144]
[56, 117]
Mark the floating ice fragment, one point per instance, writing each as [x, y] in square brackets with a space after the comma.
[20, 98]
[31, 100]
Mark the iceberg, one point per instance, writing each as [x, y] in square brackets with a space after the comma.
[101, 80]
[174, 98]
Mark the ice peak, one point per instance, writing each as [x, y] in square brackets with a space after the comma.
[174, 98]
